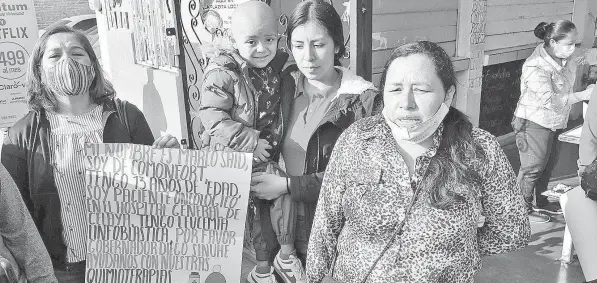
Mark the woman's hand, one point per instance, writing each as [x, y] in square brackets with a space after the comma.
[166, 141]
[588, 92]
[581, 95]
[268, 186]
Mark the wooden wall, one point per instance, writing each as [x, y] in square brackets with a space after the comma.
[510, 23]
[399, 22]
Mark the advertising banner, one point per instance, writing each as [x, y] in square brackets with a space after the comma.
[18, 34]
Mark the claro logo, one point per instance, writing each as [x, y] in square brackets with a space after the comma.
[13, 7]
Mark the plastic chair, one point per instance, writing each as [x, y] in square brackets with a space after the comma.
[580, 213]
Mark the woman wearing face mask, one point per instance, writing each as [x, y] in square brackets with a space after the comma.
[71, 104]
[404, 189]
[542, 113]
[326, 99]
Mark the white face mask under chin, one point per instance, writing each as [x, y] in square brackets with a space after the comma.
[563, 51]
[419, 132]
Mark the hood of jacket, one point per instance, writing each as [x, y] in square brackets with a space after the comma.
[350, 84]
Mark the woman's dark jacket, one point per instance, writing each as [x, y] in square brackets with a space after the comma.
[27, 157]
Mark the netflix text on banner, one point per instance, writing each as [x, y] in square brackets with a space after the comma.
[18, 34]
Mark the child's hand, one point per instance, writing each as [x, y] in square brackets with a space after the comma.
[260, 153]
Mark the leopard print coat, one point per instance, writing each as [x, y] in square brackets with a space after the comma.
[365, 194]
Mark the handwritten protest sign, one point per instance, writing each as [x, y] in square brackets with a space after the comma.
[165, 215]
[18, 34]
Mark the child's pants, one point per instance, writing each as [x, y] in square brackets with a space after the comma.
[281, 211]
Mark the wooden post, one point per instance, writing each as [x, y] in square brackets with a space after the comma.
[585, 25]
[471, 44]
[582, 20]
[361, 12]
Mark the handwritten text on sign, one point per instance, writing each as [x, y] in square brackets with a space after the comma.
[164, 215]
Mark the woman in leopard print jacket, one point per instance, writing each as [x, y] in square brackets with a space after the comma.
[404, 190]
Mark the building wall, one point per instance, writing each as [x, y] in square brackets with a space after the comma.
[399, 22]
[511, 23]
[49, 11]
[157, 93]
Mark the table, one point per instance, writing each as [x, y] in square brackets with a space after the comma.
[571, 136]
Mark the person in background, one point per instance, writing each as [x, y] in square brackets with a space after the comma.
[19, 240]
[326, 99]
[240, 108]
[404, 190]
[580, 206]
[72, 103]
[542, 113]
[587, 147]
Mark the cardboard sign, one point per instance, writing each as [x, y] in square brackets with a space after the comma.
[18, 34]
[165, 215]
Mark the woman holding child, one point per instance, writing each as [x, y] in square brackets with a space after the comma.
[71, 104]
[325, 100]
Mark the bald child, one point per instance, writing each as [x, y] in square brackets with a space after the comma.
[240, 109]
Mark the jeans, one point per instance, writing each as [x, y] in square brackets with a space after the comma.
[273, 221]
[539, 150]
[74, 273]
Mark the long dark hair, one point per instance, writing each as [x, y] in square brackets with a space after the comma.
[324, 14]
[556, 30]
[448, 167]
[101, 90]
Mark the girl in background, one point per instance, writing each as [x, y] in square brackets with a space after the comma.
[542, 113]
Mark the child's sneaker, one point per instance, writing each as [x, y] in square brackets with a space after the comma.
[291, 269]
[255, 277]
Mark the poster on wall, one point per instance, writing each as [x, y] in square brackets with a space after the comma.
[18, 34]
[153, 45]
[217, 14]
[165, 215]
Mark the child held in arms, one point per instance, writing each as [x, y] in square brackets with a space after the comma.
[240, 109]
